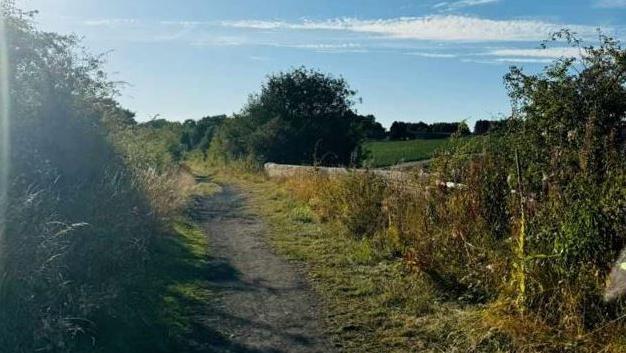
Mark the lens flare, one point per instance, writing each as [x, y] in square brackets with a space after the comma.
[4, 123]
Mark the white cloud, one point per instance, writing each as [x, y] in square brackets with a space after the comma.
[182, 23]
[259, 58]
[111, 22]
[465, 3]
[480, 61]
[549, 53]
[327, 46]
[611, 4]
[233, 41]
[221, 41]
[440, 28]
[524, 60]
[456, 5]
[320, 47]
[434, 55]
[337, 48]
[508, 61]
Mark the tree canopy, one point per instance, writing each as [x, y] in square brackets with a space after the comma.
[301, 116]
[409, 131]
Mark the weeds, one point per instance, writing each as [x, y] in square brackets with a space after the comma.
[464, 241]
[81, 222]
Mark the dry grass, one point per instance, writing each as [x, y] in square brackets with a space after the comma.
[445, 236]
[166, 191]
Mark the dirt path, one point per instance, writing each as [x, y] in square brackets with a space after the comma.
[262, 303]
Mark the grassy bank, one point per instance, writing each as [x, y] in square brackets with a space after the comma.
[376, 298]
[386, 153]
[79, 217]
[373, 302]
[165, 303]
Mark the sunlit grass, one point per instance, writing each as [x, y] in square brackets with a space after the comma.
[386, 153]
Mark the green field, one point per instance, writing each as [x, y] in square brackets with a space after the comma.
[386, 153]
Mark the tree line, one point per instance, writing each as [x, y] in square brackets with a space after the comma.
[301, 116]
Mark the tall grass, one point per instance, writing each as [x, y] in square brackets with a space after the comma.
[80, 222]
[529, 239]
[466, 240]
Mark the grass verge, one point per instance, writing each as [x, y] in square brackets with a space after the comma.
[164, 301]
[372, 302]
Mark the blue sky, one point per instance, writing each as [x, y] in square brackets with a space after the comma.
[430, 60]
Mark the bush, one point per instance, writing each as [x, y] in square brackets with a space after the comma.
[300, 117]
[538, 218]
[79, 224]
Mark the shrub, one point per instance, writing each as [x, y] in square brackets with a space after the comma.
[79, 224]
[538, 217]
[299, 117]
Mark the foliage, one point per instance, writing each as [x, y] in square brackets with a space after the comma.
[564, 213]
[80, 223]
[197, 135]
[534, 223]
[409, 131]
[571, 145]
[482, 127]
[299, 117]
[371, 129]
[355, 201]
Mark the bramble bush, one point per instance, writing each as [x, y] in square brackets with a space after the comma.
[539, 218]
[79, 222]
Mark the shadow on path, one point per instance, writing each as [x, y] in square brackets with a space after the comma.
[253, 301]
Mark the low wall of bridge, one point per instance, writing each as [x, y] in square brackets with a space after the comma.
[284, 171]
[278, 171]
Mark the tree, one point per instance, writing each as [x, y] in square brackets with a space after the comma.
[482, 127]
[198, 134]
[299, 117]
[444, 128]
[575, 109]
[372, 129]
[398, 131]
[410, 131]
[463, 129]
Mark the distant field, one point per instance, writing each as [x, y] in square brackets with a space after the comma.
[386, 153]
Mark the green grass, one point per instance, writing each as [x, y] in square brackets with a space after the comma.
[387, 153]
[158, 315]
[371, 302]
[161, 313]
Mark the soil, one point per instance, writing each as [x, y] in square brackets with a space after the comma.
[259, 302]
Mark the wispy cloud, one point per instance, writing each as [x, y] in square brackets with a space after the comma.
[434, 55]
[325, 47]
[221, 41]
[524, 60]
[456, 5]
[436, 28]
[183, 23]
[611, 4]
[111, 22]
[259, 58]
[547, 53]
[466, 38]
